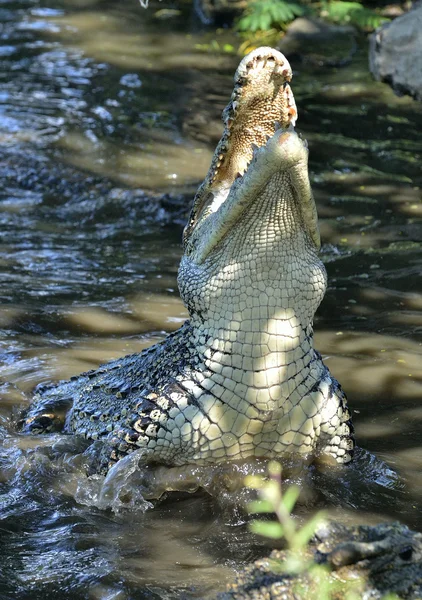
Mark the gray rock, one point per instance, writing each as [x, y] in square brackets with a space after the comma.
[319, 43]
[395, 53]
[214, 11]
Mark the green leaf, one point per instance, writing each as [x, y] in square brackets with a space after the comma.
[264, 22]
[339, 10]
[342, 11]
[288, 11]
[273, 9]
[304, 534]
[268, 529]
[290, 497]
[245, 23]
[264, 14]
[260, 506]
[366, 18]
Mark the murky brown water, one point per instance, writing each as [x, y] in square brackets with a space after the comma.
[102, 146]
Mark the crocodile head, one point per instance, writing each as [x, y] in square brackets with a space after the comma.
[261, 102]
[253, 229]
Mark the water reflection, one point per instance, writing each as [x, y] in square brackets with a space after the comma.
[108, 117]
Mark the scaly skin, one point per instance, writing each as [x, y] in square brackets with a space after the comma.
[258, 105]
[240, 378]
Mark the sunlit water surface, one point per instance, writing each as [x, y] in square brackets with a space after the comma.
[108, 117]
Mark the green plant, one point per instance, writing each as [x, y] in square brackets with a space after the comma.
[268, 15]
[273, 500]
[263, 15]
[314, 581]
[341, 11]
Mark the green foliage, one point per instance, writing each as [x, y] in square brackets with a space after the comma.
[262, 15]
[273, 500]
[268, 15]
[341, 11]
[315, 581]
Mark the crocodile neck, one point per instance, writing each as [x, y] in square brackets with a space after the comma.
[255, 339]
[264, 369]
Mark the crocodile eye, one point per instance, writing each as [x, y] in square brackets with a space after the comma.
[406, 553]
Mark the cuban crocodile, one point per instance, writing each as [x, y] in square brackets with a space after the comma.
[241, 377]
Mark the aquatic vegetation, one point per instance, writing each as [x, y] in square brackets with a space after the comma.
[269, 14]
[264, 15]
[355, 13]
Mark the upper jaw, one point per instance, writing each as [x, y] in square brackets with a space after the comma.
[284, 152]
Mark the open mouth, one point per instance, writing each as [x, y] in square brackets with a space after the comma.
[261, 102]
[258, 142]
[284, 153]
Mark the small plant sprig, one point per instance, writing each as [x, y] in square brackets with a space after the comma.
[314, 581]
[273, 500]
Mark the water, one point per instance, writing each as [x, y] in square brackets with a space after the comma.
[108, 118]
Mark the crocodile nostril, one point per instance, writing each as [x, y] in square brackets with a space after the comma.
[406, 553]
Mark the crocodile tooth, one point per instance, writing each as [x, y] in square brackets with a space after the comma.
[260, 63]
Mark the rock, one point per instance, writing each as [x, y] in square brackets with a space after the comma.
[372, 561]
[318, 42]
[218, 12]
[395, 53]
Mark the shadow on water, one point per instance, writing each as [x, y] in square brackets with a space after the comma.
[108, 118]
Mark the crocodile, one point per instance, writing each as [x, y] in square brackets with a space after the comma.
[241, 377]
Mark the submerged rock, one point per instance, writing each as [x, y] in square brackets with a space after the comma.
[319, 43]
[218, 11]
[371, 561]
[395, 53]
